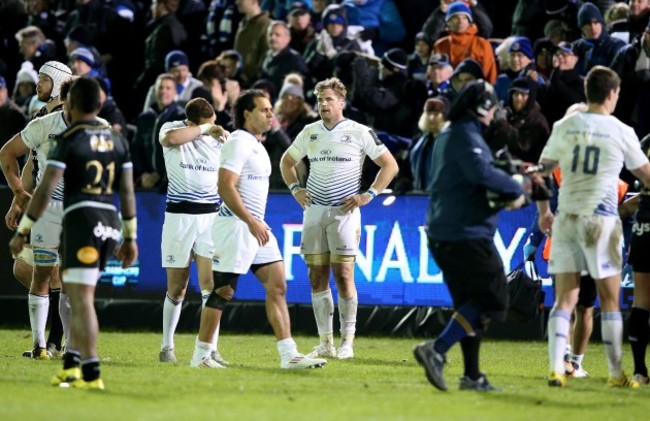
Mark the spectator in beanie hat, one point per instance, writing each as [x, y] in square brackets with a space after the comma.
[177, 64]
[520, 64]
[463, 41]
[596, 47]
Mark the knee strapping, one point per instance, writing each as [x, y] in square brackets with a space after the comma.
[317, 259]
[340, 258]
[45, 257]
[225, 285]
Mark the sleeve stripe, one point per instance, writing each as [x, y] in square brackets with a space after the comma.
[57, 164]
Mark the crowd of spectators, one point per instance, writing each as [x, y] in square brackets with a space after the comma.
[402, 61]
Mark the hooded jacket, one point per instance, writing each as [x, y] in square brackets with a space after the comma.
[469, 44]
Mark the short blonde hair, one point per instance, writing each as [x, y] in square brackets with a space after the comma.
[332, 83]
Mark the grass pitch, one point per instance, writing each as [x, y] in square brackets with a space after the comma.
[383, 382]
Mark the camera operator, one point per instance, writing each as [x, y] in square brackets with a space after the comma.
[461, 224]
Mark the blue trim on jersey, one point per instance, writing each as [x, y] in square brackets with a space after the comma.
[127, 165]
[224, 211]
[605, 210]
[192, 198]
[334, 126]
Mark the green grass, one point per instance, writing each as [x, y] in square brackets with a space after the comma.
[382, 382]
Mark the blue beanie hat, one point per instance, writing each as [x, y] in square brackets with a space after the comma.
[588, 13]
[458, 8]
[521, 45]
[175, 58]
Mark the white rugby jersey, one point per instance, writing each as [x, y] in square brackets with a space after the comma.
[244, 155]
[192, 168]
[335, 158]
[591, 149]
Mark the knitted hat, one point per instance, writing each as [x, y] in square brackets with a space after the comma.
[458, 8]
[291, 89]
[565, 47]
[438, 104]
[520, 84]
[335, 14]
[471, 66]
[589, 13]
[84, 55]
[542, 44]
[521, 45]
[439, 59]
[3, 82]
[395, 59]
[298, 8]
[59, 73]
[175, 58]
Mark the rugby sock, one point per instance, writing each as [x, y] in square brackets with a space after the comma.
[38, 308]
[577, 359]
[558, 331]
[348, 316]
[90, 369]
[287, 349]
[71, 358]
[205, 293]
[612, 334]
[56, 327]
[64, 314]
[201, 350]
[171, 315]
[323, 305]
[638, 336]
[470, 345]
[463, 323]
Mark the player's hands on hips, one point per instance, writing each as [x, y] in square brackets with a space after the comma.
[302, 197]
[16, 244]
[260, 230]
[545, 222]
[127, 253]
[356, 201]
[12, 216]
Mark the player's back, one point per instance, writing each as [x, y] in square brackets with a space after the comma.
[93, 157]
[591, 149]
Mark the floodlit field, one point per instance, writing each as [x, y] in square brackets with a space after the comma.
[383, 382]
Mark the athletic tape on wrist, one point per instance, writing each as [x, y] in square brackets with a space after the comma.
[25, 225]
[130, 228]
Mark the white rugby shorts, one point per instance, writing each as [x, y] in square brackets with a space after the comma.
[185, 233]
[329, 229]
[593, 243]
[45, 237]
[236, 249]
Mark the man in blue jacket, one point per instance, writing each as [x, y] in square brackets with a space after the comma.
[467, 191]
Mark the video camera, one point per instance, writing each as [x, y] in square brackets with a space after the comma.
[536, 188]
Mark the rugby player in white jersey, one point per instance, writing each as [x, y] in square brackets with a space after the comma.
[336, 148]
[191, 149]
[591, 148]
[46, 233]
[243, 240]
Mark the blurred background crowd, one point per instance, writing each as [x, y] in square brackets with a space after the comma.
[403, 62]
